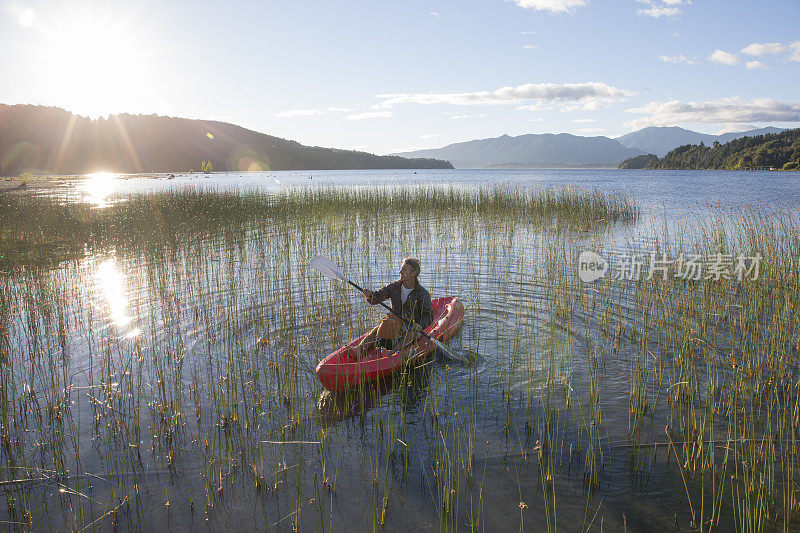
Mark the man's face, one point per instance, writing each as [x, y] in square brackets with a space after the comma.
[407, 273]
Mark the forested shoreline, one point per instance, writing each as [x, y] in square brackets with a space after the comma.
[779, 151]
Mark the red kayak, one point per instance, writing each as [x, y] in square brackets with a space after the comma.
[340, 370]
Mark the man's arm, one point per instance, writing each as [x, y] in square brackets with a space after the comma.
[426, 316]
[376, 297]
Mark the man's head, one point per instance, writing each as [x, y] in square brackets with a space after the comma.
[410, 269]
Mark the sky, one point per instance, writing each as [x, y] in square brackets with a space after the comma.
[389, 77]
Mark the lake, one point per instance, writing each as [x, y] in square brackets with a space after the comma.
[159, 340]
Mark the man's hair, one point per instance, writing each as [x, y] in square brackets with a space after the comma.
[414, 262]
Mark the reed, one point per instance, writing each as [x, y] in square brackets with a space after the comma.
[157, 356]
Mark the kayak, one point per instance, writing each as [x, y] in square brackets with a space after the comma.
[341, 370]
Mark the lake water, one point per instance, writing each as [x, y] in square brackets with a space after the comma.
[505, 435]
[657, 191]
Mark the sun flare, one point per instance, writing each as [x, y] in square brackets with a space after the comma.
[99, 63]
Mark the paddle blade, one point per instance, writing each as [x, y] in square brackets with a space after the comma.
[448, 353]
[327, 267]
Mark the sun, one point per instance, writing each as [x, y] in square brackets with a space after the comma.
[97, 63]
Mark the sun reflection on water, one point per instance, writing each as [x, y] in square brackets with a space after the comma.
[98, 187]
[111, 281]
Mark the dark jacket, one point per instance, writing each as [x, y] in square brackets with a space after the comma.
[417, 307]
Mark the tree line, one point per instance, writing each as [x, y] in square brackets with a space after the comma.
[50, 140]
[773, 150]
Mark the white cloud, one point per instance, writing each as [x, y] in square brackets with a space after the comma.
[760, 49]
[538, 106]
[530, 47]
[753, 65]
[584, 120]
[554, 6]
[676, 2]
[370, 114]
[431, 136]
[679, 58]
[591, 130]
[795, 48]
[660, 11]
[736, 128]
[591, 105]
[590, 94]
[723, 58]
[339, 109]
[435, 14]
[535, 120]
[459, 117]
[529, 32]
[726, 110]
[298, 113]
[27, 17]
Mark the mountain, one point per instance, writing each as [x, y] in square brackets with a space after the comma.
[660, 140]
[532, 151]
[771, 150]
[727, 137]
[54, 141]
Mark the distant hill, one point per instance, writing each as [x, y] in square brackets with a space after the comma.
[660, 140]
[532, 151]
[54, 141]
[772, 150]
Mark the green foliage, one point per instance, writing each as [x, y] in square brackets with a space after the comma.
[37, 230]
[774, 150]
[25, 177]
[205, 166]
[640, 161]
[791, 165]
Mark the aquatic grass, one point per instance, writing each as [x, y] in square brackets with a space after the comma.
[43, 229]
[214, 402]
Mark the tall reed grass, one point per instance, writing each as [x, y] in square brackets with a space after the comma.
[156, 366]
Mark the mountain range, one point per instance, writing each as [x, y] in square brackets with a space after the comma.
[660, 140]
[50, 140]
[532, 151]
[565, 150]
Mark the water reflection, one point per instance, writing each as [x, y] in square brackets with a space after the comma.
[112, 284]
[98, 187]
[408, 388]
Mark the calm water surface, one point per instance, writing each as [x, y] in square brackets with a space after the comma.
[493, 392]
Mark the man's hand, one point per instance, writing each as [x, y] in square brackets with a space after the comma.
[367, 295]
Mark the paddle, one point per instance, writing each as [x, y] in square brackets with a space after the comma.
[327, 267]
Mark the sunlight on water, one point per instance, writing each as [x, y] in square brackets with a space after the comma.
[98, 187]
[111, 281]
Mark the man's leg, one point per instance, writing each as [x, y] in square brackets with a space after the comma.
[405, 338]
[366, 343]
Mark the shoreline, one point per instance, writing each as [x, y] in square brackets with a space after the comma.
[15, 184]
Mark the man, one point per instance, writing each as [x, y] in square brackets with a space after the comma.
[409, 299]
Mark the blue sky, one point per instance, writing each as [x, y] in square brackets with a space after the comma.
[394, 76]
